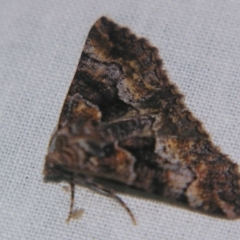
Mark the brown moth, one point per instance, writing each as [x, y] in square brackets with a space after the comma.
[124, 121]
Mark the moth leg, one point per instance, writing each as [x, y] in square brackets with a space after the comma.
[72, 186]
[110, 193]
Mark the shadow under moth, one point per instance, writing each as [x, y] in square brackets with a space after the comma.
[123, 120]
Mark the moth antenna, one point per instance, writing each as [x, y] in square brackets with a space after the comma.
[110, 193]
[72, 186]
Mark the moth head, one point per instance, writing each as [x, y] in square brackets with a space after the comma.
[56, 159]
[69, 151]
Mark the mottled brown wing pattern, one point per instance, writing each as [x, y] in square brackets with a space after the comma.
[124, 120]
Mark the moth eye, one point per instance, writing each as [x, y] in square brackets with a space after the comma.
[52, 170]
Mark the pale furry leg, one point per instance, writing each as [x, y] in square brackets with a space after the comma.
[72, 186]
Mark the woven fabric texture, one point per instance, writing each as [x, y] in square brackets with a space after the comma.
[40, 45]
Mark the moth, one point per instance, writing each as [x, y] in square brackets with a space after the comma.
[123, 120]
